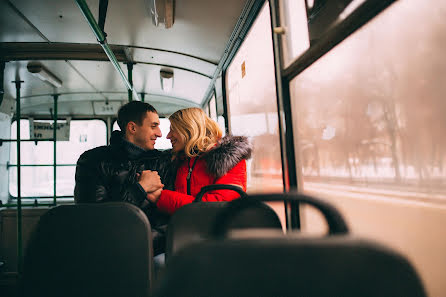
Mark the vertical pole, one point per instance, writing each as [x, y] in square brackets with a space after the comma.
[225, 103]
[56, 96]
[2, 89]
[143, 95]
[216, 107]
[18, 84]
[130, 76]
[285, 121]
[109, 129]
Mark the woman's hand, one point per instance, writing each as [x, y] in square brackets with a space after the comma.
[155, 195]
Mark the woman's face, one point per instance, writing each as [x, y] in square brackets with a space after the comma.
[177, 141]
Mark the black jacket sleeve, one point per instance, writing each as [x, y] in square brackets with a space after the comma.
[94, 183]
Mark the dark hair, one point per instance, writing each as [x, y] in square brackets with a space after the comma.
[133, 111]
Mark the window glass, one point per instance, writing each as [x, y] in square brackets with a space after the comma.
[324, 15]
[296, 39]
[251, 93]
[161, 143]
[370, 114]
[38, 180]
[213, 109]
[221, 123]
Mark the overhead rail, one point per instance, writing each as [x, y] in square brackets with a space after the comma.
[100, 36]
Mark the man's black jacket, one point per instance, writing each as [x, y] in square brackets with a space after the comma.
[109, 173]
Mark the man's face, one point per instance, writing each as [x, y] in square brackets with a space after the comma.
[146, 134]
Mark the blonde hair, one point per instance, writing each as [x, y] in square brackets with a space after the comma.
[199, 132]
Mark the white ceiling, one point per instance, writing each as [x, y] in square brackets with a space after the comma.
[192, 48]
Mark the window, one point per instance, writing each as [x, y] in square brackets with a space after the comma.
[251, 93]
[367, 119]
[213, 109]
[37, 158]
[296, 39]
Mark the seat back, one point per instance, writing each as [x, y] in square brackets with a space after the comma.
[194, 222]
[289, 265]
[8, 233]
[90, 250]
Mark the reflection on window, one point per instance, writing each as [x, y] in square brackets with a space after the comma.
[252, 105]
[38, 181]
[377, 122]
[161, 143]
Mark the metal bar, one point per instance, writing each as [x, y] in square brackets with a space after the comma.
[19, 197]
[41, 165]
[55, 147]
[143, 96]
[26, 205]
[2, 87]
[225, 103]
[100, 36]
[44, 197]
[33, 139]
[103, 5]
[130, 76]
[19, 51]
[216, 107]
[285, 119]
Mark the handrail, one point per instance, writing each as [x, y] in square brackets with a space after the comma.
[101, 37]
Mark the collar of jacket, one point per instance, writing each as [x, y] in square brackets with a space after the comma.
[228, 152]
[131, 150]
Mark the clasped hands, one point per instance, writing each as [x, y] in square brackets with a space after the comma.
[150, 181]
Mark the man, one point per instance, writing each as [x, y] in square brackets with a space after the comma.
[129, 168]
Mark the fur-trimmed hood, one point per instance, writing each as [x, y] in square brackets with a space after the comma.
[228, 152]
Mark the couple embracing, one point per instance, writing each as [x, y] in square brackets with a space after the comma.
[160, 182]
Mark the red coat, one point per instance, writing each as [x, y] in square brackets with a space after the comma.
[225, 164]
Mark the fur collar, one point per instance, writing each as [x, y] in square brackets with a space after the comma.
[229, 151]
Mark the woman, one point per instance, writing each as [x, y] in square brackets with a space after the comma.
[204, 158]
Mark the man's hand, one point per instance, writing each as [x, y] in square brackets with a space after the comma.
[150, 181]
[154, 196]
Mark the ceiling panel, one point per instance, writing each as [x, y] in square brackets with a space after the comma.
[13, 28]
[59, 20]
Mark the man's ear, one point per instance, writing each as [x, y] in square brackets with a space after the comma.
[131, 127]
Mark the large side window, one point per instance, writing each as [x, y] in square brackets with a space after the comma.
[37, 158]
[370, 114]
[251, 95]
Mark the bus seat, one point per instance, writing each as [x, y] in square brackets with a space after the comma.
[90, 250]
[193, 222]
[288, 265]
[8, 233]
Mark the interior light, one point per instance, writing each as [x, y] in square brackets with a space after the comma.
[44, 74]
[166, 76]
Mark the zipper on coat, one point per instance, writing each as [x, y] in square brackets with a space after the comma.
[189, 174]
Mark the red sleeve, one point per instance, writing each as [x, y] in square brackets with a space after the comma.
[170, 201]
